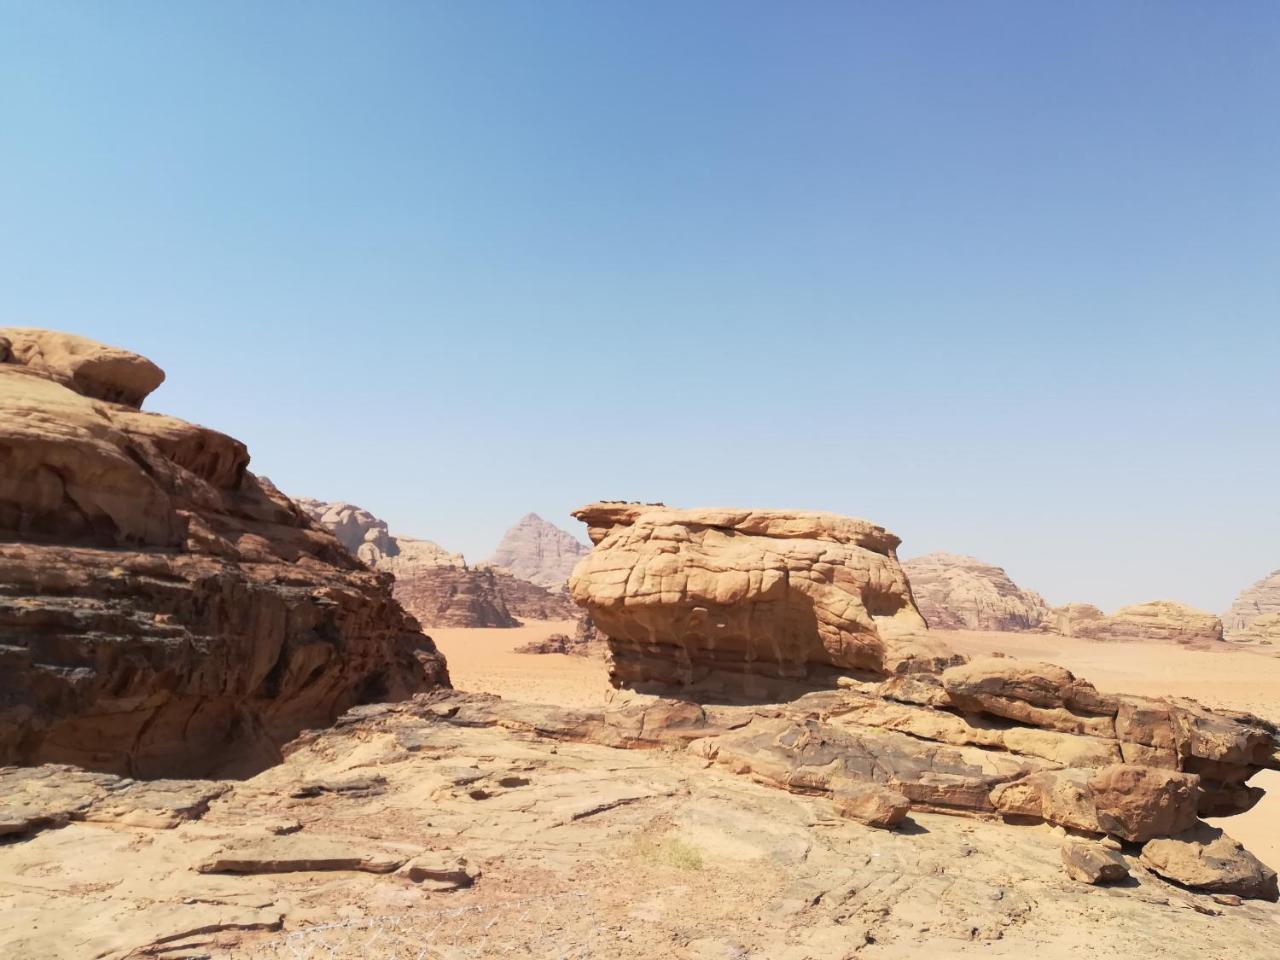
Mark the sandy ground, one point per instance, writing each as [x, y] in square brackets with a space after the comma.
[484, 660]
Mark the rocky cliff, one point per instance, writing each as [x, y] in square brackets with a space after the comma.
[1254, 617]
[539, 552]
[162, 610]
[962, 593]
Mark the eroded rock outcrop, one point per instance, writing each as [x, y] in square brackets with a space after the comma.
[743, 600]
[162, 610]
[539, 552]
[1161, 620]
[707, 603]
[1254, 617]
[540, 840]
[956, 592]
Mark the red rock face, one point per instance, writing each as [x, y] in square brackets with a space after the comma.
[161, 609]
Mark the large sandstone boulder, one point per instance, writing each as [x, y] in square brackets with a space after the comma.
[739, 599]
[539, 552]
[1163, 620]
[162, 610]
[962, 593]
[1254, 617]
[1205, 858]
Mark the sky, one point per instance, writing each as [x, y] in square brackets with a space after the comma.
[1001, 276]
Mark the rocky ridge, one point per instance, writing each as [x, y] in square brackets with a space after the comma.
[956, 592]
[163, 610]
[1160, 620]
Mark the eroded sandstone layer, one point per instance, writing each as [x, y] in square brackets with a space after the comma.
[738, 599]
[470, 827]
[956, 592]
[162, 610]
[1160, 620]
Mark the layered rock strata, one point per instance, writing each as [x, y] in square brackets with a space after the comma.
[162, 610]
[956, 592]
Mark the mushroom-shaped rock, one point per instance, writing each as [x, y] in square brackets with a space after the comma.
[741, 600]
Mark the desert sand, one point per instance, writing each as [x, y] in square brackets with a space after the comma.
[483, 660]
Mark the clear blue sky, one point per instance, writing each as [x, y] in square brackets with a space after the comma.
[1002, 276]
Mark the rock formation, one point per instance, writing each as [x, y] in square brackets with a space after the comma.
[1158, 620]
[528, 601]
[369, 538]
[539, 552]
[436, 586]
[585, 642]
[1254, 617]
[702, 603]
[745, 600]
[162, 610]
[454, 597]
[956, 592]
[542, 839]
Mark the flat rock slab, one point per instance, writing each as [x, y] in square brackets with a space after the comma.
[298, 853]
[52, 795]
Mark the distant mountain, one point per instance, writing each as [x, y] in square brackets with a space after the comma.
[1255, 615]
[438, 587]
[957, 592]
[539, 552]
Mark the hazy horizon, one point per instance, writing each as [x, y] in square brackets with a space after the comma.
[1003, 277]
